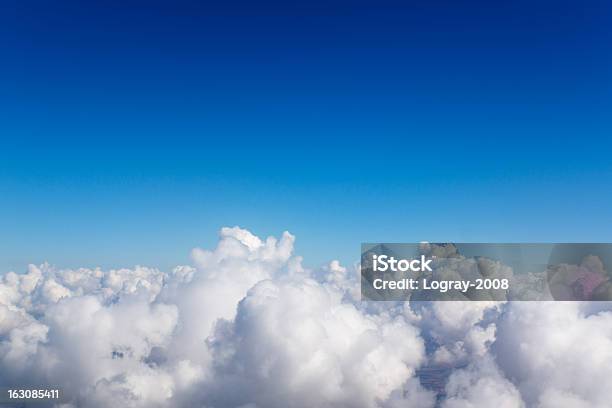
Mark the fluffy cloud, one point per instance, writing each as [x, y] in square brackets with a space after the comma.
[481, 385]
[246, 325]
[460, 330]
[299, 336]
[558, 353]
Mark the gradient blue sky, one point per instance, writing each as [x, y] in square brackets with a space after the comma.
[132, 131]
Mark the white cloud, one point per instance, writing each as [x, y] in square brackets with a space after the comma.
[247, 325]
[558, 353]
[481, 385]
[299, 336]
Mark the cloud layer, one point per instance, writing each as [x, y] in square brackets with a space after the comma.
[246, 325]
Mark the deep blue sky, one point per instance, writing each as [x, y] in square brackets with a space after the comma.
[131, 132]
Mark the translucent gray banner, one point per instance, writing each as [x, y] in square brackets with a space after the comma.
[475, 271]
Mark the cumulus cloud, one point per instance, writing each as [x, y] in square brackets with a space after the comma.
[461, 330]
[481, 384]
[558, 353]
[299, 336]
[247, 325]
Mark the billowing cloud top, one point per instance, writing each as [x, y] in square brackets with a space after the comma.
[247, 326]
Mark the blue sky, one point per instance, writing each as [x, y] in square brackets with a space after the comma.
[132, 131]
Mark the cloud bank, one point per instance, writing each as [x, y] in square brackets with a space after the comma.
[246, 325]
